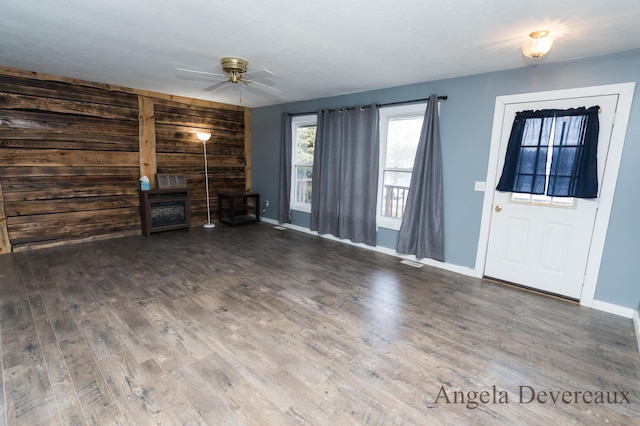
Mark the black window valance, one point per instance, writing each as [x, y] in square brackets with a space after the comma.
[573, 170]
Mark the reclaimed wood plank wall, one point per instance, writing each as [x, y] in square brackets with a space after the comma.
[71, 154]
[180, 151]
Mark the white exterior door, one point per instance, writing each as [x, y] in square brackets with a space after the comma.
[544, 243]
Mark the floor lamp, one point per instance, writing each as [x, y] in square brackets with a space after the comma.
[204, 137]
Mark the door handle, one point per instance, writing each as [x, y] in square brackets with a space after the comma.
[498, 209]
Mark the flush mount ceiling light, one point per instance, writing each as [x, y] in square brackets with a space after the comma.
[537, 45]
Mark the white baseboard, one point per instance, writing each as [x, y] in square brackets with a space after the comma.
[429, 262]
[613, 309]
[636, 323]
[271, 221]
[268, 220]
[599, 305]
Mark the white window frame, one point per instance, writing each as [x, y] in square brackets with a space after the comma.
[296, 122]
[386, 114]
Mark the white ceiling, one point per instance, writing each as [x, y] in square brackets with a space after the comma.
[316, 49]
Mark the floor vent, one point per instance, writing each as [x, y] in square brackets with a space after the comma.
[279, 228]
[412, 263]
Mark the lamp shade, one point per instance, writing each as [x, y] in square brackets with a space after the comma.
[203, 136]
[537, 45]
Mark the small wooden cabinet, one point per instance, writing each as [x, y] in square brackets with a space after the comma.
[164, 210]
[239, 208]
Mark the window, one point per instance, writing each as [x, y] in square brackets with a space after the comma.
[542, 200]
[551, 154]
[534, 130]
[303, 131]
[400, 128]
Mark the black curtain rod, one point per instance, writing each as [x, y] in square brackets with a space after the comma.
[440, 98]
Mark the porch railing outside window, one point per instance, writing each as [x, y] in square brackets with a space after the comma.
[393, 203]
[303, 184]
[394, 200]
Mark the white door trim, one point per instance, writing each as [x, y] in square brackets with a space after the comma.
[608, 184]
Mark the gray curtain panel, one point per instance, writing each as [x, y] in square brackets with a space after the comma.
[284, 195]
[422, 229]
[345, 174]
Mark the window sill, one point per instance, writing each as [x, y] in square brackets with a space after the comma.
[301, 208]
[385, 222]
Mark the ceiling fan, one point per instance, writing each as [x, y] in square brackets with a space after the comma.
[236, 72]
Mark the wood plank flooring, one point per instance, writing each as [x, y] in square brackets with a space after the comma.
[255, 326]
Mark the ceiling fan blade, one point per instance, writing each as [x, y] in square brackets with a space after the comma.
[267, 82]
[259, 74]
[266, 88]
[189, 78]
[215, 86]
[200, 72]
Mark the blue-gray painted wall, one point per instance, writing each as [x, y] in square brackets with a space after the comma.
[466, 120]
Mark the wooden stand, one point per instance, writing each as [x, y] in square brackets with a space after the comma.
[238, 209]
[164, 210]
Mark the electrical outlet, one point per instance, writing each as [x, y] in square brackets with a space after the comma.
[266, 203]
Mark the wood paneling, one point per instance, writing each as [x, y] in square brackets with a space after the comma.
[5, 243]
[71, 154]
[179, 150]
[248, 154]
[52, 136]
[148, 165]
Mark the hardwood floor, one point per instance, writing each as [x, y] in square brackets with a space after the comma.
[251, 325]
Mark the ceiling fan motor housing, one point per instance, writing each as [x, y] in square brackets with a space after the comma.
[234, 67]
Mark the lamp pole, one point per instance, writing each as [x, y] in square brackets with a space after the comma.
[204, 137]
